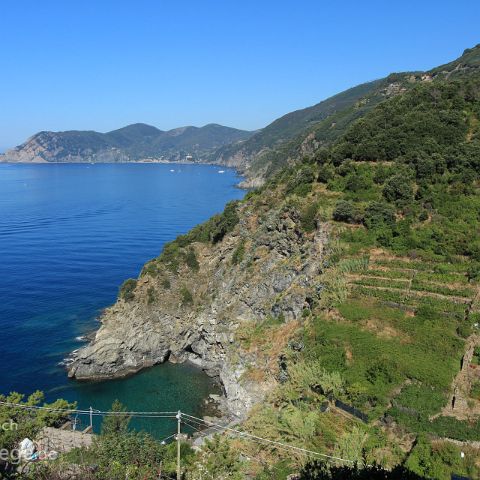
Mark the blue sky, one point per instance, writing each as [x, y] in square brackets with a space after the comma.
[103, 64]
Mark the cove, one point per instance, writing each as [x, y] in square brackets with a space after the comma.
[70, 234]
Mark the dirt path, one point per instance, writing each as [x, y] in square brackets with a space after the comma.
[460, 405]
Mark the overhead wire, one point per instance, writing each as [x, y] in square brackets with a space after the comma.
[267, 441]
[187, 419]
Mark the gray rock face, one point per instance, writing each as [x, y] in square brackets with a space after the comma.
[275, 277]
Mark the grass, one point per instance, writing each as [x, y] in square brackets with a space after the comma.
[393, 273]
[442, 277]
[425, 286]
[382, 282]
[353, 265]
[386, 295]
[424, 266]
[373, 366]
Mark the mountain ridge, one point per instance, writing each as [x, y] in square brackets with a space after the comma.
[134, 142]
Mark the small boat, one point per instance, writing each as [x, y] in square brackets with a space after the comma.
[221, 171]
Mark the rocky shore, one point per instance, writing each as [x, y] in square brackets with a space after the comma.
[274, 279]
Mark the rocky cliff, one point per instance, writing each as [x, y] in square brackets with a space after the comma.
[192, 308]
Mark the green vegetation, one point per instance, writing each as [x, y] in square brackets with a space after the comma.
[186, 296]
[116, 424]
[151, 295]
[308, 218]
[127, 290]
[346, 211]
[438, 461]
[239, 253]
[191, 260]
[137, 141]
[181, 252]
[18, 423]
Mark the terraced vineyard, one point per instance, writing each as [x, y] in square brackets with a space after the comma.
[425, 314]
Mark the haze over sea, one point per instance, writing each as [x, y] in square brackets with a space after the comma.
[70, 234]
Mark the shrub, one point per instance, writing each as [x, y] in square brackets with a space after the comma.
[187, 297]
[28, 422]
[127, 289]
[224, 223]
[473, 272]
[300, 182]
[151, 297]
[326, 173]
[239, 253]
[169, 255]
[397, 189]
[191, 260]
[150, 268]
[308, 217]
[379, 214]
[347, 212]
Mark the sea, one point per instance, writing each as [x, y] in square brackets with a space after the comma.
[70, 234]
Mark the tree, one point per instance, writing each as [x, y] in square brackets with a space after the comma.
[118, 422]
[350, 445]
[325, 173]
[218, 460]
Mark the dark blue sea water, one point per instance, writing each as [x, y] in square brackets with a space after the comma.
[69, 235]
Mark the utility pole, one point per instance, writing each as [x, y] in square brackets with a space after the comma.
[91, 418]
[179, 422]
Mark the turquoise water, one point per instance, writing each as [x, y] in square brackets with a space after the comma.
[69, 235]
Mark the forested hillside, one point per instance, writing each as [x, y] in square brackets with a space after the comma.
[302, 132]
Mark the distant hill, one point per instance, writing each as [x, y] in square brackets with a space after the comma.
[128, 144]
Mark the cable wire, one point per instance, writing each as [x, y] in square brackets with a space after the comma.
[93, 412]
[198, 421]
[271, 442]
